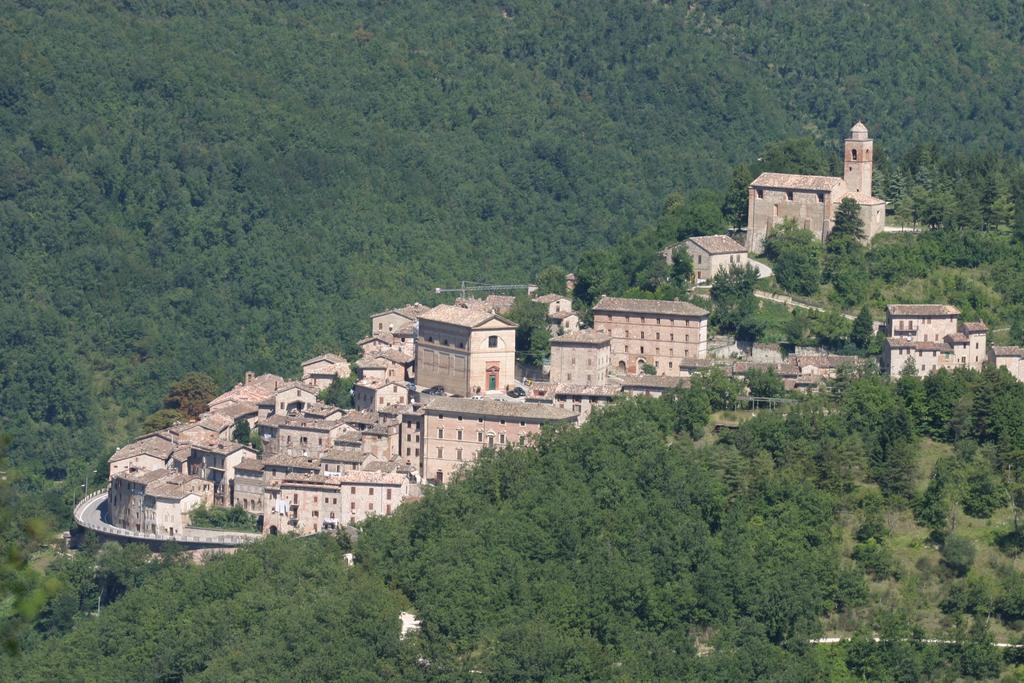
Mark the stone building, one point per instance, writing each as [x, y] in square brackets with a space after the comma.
[651, 332]
[931, 337]
[158, 501]
[319, 372]
[711, 253]
[248, 485]
[452, 431]
[579, 399]
[560, 316]
[379, 394]
[1009, 357]
[396, 318]
[294, 435]
[581, 358]
[311, 503]
[466, 351]
[652, 385]
[812, 201]
[287, 398]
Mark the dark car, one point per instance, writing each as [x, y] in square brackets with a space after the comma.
[517, 392]
[436, 390]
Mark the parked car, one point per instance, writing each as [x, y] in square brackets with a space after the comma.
[517, 392]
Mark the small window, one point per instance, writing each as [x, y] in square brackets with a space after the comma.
[492, 341]
[853, 154]
[789, 196]
[760, 194]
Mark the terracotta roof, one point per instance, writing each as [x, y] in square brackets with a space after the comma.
[145, 477]
[896, 343]
[562, 315]
[412, 311]
[237, 409]
[249, 465]
[291, 461]
[492, 408]
[1007, 351]
[396, 356]
[328, 357]
[826, 360]
[343, 479]
[550, 298]
[157, 444]
[652, 306]
[798, 182]
[718, 244]
[957, 338]
[653, 382]
[587, 337]
[385, 338]
[973, 327]
[922, 310]
[862, 198]
[463, 317]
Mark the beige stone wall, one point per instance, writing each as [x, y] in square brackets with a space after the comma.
[582, 405]
[706, 265]
[925, 362]
[138, 463]
[450, 443]
[658, 340]
[309, 443]
[921, 328]
[1013, 364]
[248, 492]
[580, 363]
[459, 359]
[379, 398]
[337, 504]
[811, 209]
[388, 322]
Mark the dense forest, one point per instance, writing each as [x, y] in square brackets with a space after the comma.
[213, 187]
[621, 550]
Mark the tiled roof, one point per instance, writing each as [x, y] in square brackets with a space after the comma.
[237, 410]
[974, 327]
[942, 347]
[291, 461]
[861, 198]
[250, 465]
[798, 182]
[653, 382]
[958, 338]
[562, 315]
[550, 298]
[826, 360]
[653, 306]
[922, 310]
[718, 244]
[463, 317]
[492, 408]
[328, 357]
[588, 337]
[1007, 351]
[158, 445]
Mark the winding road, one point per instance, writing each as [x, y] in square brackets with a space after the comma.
[90, 513]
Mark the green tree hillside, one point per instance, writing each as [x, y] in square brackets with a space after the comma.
[617, 546]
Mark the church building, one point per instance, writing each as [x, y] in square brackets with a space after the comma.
[812, 200]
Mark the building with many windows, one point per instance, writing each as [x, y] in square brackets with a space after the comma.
[652, 332]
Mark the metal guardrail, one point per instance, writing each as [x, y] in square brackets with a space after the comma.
[225, 540]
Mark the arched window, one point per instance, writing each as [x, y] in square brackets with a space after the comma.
[853, 154]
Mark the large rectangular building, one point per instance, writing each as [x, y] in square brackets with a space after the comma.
[467, 351]
[451, 432]
[652, 332]
[930, 337]
[581, 358]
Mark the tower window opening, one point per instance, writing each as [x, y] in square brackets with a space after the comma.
[853, 154]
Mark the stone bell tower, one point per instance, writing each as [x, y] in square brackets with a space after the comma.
[858, 160]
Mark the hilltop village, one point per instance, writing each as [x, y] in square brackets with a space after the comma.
[434, 386]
